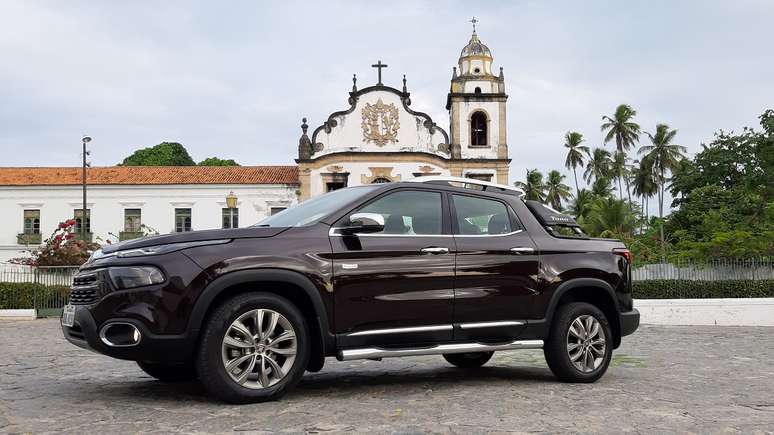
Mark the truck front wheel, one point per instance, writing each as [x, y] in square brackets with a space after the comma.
[255, 347]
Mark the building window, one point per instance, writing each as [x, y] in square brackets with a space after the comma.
[31, 221]
[330, 187]
[80, 221]
[275, 210]
[380, 180]
[478, 129]
[480, 177]
[132, 220]
[230, 218]
[182, 220]
[477, 90]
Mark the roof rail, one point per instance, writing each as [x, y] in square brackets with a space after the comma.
[485, 185]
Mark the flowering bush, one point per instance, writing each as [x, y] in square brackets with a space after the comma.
[61, 248]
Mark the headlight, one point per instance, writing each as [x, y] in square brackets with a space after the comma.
[138, 276]
[164, 249]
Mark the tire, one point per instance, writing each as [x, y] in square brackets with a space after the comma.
[266, 361]
[468, 360]
[169, 372]
[586, 361]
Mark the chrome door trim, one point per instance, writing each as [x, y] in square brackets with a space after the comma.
[375, 352]
[489, 235]
[402, 330]
[497, 324]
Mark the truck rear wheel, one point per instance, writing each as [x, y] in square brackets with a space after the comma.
[580, 343]
[255, 347]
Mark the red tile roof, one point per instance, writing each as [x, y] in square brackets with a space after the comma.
[127, 175]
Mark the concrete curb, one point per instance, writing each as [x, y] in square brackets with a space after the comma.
[721, 312]
[18, 315]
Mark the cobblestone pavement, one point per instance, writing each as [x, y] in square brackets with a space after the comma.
[663, 379]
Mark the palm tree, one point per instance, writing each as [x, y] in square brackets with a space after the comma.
[644, 184]
[575, 153]
[619, 170]
[664, 156]
[556, 191]
[601, 188]
[581, 204]
[598, 165]
[610, 217]
[623, 129]
[533, 186]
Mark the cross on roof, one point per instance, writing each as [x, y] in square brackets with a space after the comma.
[474, 21]
[379, 65]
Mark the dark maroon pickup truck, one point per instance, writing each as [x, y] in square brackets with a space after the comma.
[437, 265]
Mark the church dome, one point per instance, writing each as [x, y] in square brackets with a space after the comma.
[475, 48]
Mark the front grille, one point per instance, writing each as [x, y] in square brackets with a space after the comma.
[84, 290]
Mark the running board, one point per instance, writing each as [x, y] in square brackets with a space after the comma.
[376, 352]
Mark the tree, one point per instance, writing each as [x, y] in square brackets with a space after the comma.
[619, 170]
[214, 161]
[725, 196]
[665, 156]
[556, 191]
[163, 154]
[644, 182]
[61, 248]
[610, 217]
[602, 188]
[533, 186]
[621, 128]
[575, 154]
[581, 204]
[598, 165]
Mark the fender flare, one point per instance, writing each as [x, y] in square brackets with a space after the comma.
[222, 283]
[583, 282]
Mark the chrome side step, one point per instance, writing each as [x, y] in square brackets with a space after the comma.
[376, 352]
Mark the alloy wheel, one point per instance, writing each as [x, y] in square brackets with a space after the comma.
[259, 348]
[586, 343]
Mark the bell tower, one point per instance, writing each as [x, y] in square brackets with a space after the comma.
[476, 105]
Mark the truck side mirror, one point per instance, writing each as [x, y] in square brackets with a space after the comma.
[364, 223]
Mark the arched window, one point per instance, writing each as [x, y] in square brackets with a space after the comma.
[380, 180]
[478, 133]
[477, 90]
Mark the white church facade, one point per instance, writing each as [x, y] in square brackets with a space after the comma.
[379, 138]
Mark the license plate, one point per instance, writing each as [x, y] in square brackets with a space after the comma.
[68, 315]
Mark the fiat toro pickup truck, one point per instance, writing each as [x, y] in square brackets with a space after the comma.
[434, 266]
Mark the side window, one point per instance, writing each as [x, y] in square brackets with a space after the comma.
[409, 212]
[480, 216]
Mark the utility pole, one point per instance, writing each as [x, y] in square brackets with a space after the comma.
[85, 140]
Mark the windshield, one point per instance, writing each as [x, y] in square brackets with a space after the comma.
[313, 210]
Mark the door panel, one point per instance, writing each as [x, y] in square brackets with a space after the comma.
[396, 287]
[496, 270]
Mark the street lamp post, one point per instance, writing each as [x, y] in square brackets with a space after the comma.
[85, 140]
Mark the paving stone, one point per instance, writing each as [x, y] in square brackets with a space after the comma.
[661, 380]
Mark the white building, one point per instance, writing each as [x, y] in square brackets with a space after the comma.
[378, 138]
[120, 200]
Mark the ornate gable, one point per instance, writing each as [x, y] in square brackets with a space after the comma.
[379, 120]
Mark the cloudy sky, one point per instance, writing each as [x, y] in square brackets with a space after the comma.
[234, 79]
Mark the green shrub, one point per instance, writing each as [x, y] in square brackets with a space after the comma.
[684, 289]
[27, 295]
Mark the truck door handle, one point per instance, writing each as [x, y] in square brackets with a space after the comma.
[434, 250]
[522, 251]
